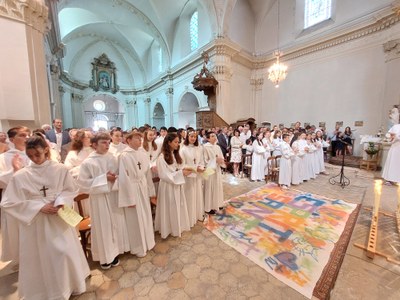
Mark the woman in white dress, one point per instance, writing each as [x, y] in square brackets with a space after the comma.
[391, 171]
[236, 152]
[171, 212]
[310, 157]
[192, 156]
[303, 152]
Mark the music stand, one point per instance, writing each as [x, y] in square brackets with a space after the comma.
[341, 179]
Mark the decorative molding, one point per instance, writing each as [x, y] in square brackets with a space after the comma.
[31, 12]
[61, 89]
[257, 83]
[72, 83]
[392, 49]
[169, 91]
[76, 98]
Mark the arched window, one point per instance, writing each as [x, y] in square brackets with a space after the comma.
[316, 11]
[194, 31]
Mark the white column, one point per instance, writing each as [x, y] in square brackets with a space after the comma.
[77, 110]
[24, 99]
[170, 96]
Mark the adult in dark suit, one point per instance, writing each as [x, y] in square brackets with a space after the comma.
[57, 135]
[223, 141]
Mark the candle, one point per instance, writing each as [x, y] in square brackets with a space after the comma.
[398, 198]
[377, 192]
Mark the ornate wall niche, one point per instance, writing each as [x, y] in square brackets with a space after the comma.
[103, 75]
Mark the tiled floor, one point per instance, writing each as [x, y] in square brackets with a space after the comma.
[200, 266]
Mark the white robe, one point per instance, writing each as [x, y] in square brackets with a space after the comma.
[296, 164]
[9, 225]
[109, 234]
[391, 170]
[74, 160]
[52, 264]
[116, 150]
[213, 186]
[171, 212]
[304, 162]
[193, 158]
[320, 156]
[259, 162]
[285, 166]
[135, 189]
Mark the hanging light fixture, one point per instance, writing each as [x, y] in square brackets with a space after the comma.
[278, 71]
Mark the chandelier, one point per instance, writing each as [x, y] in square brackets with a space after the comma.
[278, 71]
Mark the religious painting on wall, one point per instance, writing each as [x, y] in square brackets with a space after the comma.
[306, 124]
[281, 126]
[339, 123]
[322, 125]
[103, 75]
[359, 123]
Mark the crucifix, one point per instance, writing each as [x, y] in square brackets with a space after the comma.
[44, 189]
[194, 160]
[139, 164]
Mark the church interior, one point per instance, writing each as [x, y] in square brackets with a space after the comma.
[124, 63]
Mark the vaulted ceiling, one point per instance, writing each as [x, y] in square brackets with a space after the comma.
[127, 30]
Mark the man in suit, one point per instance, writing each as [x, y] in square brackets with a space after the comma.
[223, 141]
[57, 135]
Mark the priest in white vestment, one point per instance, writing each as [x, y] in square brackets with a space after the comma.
[10, 162]
[97, 177]
[192, 155]
[213, 186]
[171, 212]
[391, 171]
[52, 264]
[135, 189]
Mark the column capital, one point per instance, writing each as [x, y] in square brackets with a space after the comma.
[392, 49]
[33, 13]
[77, 98]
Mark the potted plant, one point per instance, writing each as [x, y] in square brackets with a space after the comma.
[371, 150]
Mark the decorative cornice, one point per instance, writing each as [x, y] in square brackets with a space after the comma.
[73, 83]
[31, 12]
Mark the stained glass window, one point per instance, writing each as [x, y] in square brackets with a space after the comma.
[194, 31]
[316, 11]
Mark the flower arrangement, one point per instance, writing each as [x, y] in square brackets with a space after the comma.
[372, 149]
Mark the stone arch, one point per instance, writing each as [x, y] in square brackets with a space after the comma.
[103, 109]
[188, 106]
[158, 115]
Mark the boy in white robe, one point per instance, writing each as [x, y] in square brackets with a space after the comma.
[135, 190]
[213, 187]
[285, 166]
[97, 176]
[52, 264]
[11, 161]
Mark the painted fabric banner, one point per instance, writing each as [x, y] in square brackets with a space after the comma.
[290, 234]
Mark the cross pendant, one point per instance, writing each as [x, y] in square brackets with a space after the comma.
[139, 164]
[44, 189]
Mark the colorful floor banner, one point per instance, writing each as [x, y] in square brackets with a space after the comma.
[290, 234]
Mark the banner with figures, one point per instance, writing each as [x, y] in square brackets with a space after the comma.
[290, 234]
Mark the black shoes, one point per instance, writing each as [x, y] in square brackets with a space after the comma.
[114, 263]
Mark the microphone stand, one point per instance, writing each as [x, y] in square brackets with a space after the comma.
[341, 179]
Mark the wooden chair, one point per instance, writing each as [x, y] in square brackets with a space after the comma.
[84, 226]
[246, 164]
[273, 168]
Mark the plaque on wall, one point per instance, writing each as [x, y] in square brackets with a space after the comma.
[104, 76]
[306, 124]
[359, 123]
